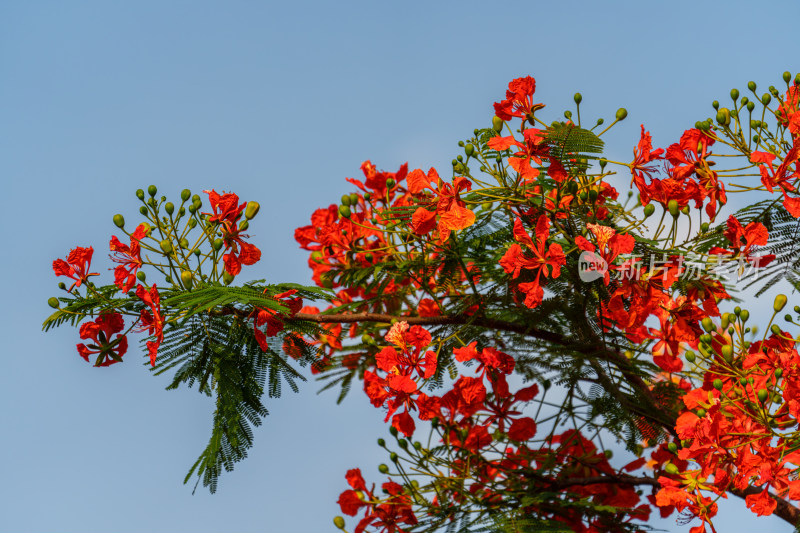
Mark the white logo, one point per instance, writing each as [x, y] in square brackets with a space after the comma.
[591, 266]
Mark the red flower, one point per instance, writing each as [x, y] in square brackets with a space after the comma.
[274, 319]
[743, 239]
[453, 215]
[151, 320]
[226, 208]
[519, 101]
[643, 155]
[100, 331]
[514, 260]
[76, 266]
[129, 258]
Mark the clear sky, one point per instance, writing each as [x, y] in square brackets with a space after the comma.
[279, 102]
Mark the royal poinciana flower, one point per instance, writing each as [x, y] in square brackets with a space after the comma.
[519, 100]
[384, 516]
[450, 208]
[274, 319]
[610, 245]
[545, 260]
[76, 267]
[129, 257]
[151, 319]
[784, 177]
[227, 213]
[108, 349]
[530, 152]
[743, 239]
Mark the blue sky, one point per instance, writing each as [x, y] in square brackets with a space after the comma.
[278, 102]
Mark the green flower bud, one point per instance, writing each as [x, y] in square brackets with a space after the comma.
[724, 116]
[54, 302]
[649, 209]
[383, 468]
[600, 121]
[778, 372]
[217, 244]
[704, 227]
[393, 431]
[762, 394]
[186, 278]
[608, 453]
[143, 210]
[577, 98]
[394, 457]
[169, 208]
[701, 413]
[727, 352]
[734, 94]
[390, 183]
[166, 246]
[243, 225]
[737, 310]
[766, 99]
[381, 443]
[338, 521]
[775, 329]
[672, 207]
[707, 324]
[751, 106]
[690, 356]
[622, 113]
[227, 278]
[787, 76]
[403, 443]
[715, 104]
[497, 124]
[751, 85]
[568, 114]
[469, 150]
[593, 195]
[672, 447]
[670, 468]
[745, 314]
[152, 190]
[780, 303]
[345, 211]
[345, 199]
[140, 194]
[797, 79]
[354, 198]
[141, 275]
[184, 243]
[717, 384]
[62, 285]
[119, 221]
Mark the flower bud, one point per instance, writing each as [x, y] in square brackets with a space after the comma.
[724, 116]
[766, 99]
[593, 195]
[780, 303]
[217, 244]
[497, 124]
[751, 106]
[622, 113]
[185, 194]
[338, 521]
[243, 225]
[345, 211]
[751, 85]
[672, 207]
[227, 278]
[670, 468]
[707, 324]
[744, 315]
[762, 394]
[672, 447]
[152, 190]
[600, 121]
[390, 183]
[715, 104]
[354, 198]
[394, 457]
[787, 76]
[734, 94]
[775, 329]
[186, 278]
[393, 431]
[62, 285]
[469, 150]
[143, 210]
[345, 199]
[166, 246]
[717, 384]
[141, 276]
[778, 372]
[383, 468]
[169, 207]
[727, 352]
[690, 356]
[54, 302]
[140, 194]
[649, 209]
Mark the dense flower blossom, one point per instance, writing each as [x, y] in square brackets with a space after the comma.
[519, 99]
[151, 319]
